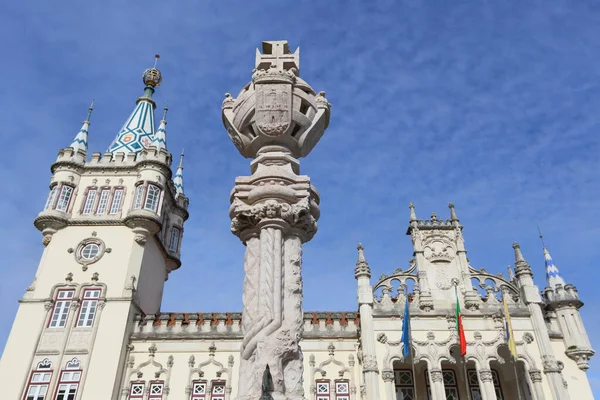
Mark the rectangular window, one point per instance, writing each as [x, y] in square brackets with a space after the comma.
[37, 387]
[136, 391]
[152, 198]
[62, 304]
[137, 198]
[116, 201]
[198, 390]
[67, 385]
[342, 390]
[156, 391]
[323, 390]
[88, 308]
[218, 391]
[64, 198]
[89, 201]
[174, 242]
[405, 389]
[103, 201]
[51, 198]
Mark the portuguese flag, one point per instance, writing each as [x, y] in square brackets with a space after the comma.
[459, 327]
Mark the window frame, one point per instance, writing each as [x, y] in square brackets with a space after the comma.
[156, 396]
[199, 396]
[52, 197]
[70, 198]
[138, 196]
[400, 386]
[30, 382]
[150, 185]
[213, 385]
[90, 300]
[342, 396]
[121, 190]
[323, 396]
[102, 191]
[175, 248]
[68, 308]
[132, 396]
[90, 190]
[68, 383]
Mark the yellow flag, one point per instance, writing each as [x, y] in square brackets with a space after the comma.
[510, 337]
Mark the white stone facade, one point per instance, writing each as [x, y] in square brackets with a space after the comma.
[90, 324]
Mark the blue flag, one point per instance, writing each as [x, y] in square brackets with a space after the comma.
[406, 330]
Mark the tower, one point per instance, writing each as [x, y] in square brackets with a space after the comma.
[275, 120]
[440, 257]
[562, 312]
[112, 229]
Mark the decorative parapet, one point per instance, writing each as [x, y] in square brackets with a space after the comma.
[228, 325]
[561, 296]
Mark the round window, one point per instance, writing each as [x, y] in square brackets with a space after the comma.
[89, 251]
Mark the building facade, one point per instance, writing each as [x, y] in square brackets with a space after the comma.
[90, 325]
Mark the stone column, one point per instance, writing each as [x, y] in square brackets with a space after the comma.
[535, 375]
[486, 383]
[364, 295]
[275, 120]
[388, 379]
[436, 383]
[531, 296]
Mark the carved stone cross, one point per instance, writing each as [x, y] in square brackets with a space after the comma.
[277, 54]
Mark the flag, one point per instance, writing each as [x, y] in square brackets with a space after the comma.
[510, 337]
[405, 339]
[459, 327]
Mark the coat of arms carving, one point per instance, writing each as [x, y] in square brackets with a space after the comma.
[273, 108]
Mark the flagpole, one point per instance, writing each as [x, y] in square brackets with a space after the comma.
[514, 363]
[464, 363]
[510, 336]
[412, 357]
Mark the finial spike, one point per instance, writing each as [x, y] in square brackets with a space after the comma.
[453, 216]
[518, 254]
[413, 214]
[362, 267]
[156, 57]
[89, 114]
[181, 160]
[166, 109]
[541, 236]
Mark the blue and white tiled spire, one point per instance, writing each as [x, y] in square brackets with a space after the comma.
[138, 131]
[160, 137]
[178, 180]
[553, 277]
[81, 139]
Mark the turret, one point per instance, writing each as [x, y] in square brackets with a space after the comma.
[562, 306]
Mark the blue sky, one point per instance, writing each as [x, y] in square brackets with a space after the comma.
[494, 105]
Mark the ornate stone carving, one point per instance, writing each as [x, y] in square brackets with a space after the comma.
[273, 212]
[370, 363]
[535, 375]
[485, 375]
[436, 375]
[140, 239]
[387, 375]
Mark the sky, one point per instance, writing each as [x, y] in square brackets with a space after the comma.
[493, 105]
